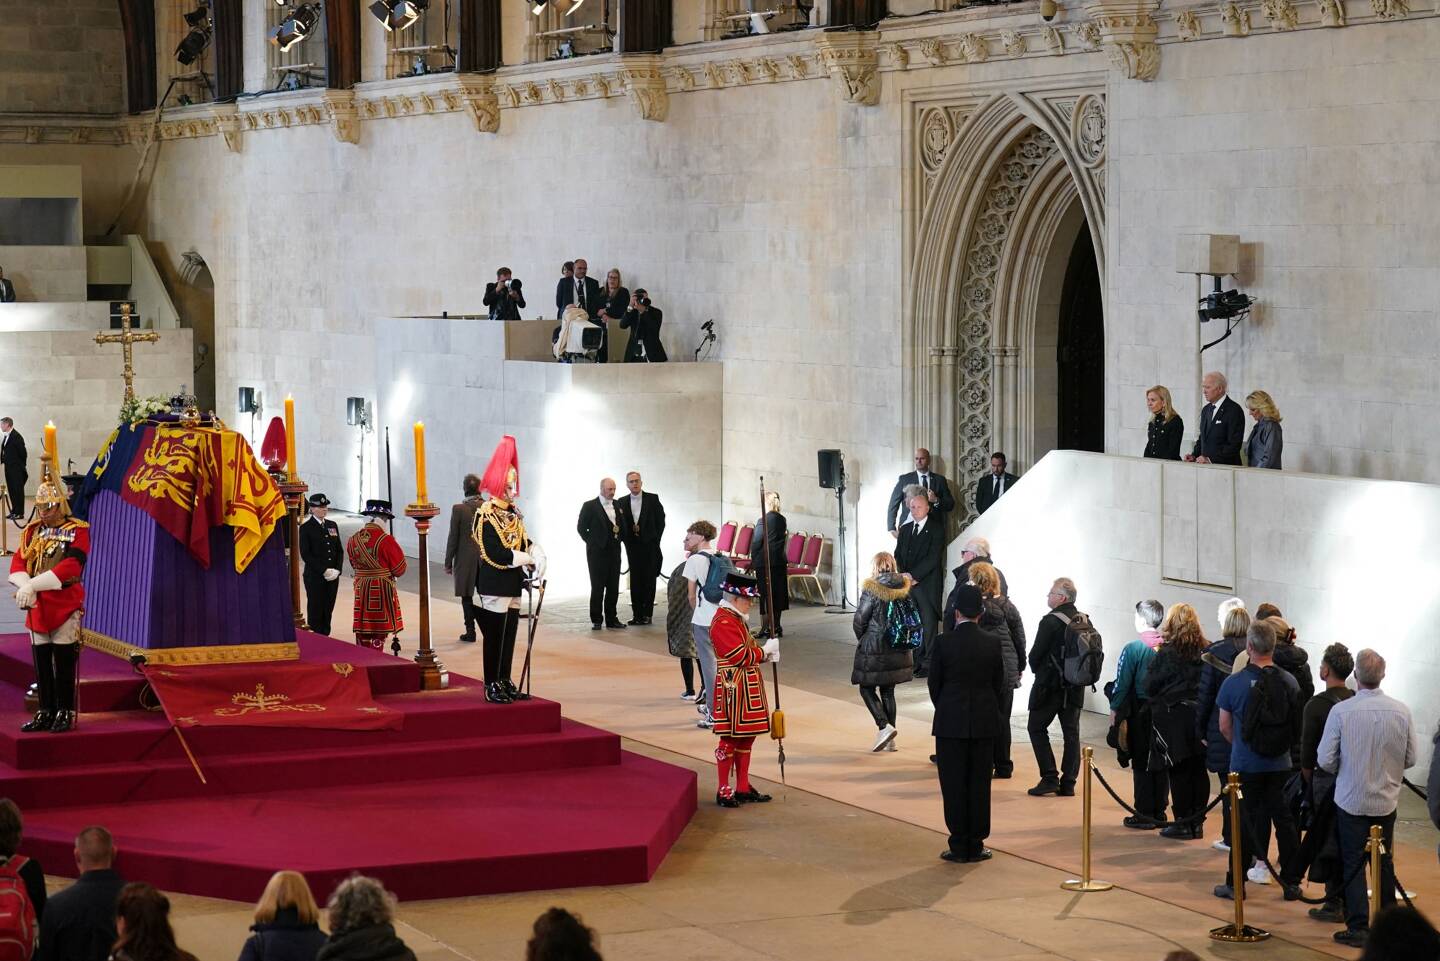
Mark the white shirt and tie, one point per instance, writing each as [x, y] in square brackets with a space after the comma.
[609, 506]
[997, 484]
[636, 501]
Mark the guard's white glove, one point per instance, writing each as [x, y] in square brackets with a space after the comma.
[49, 581]
[520, 559]
[331, 573]
[541, 562]
[771, 649]
[19, 579]
[25, 596]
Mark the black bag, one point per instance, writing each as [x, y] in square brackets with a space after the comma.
[1082, 651]
[1267, 726]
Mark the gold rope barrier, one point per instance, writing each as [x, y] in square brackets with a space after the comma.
[1085, 882]
[1239, 931]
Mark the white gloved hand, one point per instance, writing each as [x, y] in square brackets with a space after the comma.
[520, 559]
[19, 579]
[25, 597]
[331, 573]
[771, 649]
[49, 581]
[540, 560]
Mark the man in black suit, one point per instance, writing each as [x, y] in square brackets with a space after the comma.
[641, 527]
[1051, 697]
[584, 291]
[918, 550]
[504, 297]
[323, 554]
[643, 322]
[967, 680]
[1222, 424]
[79, 922]
[14, 461]
[937, 492]
[7, 289]
[462, 554]
[990, 487]
[599, 528]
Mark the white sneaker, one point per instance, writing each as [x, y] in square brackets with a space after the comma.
[884, 737]
[891, 745]
[687, 696]
[1220, 845]
[1259, 874]
[706, 721]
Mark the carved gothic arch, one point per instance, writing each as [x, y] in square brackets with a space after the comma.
[994, 183]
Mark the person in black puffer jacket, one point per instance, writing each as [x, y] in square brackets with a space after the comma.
[1172, 685]
[1219, 660]
[286, 922]
[1295, 661]
[361, 915]
[1001, 618]
[878, 666]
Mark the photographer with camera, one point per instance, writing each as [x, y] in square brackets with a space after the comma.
[503, 297]
[643, 322]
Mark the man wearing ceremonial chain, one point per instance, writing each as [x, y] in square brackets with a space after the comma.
[740, 709]
[46, 574]
[506, 552]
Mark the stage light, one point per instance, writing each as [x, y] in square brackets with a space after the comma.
[296, 27]
[193, 45]
[575, 6]
[397, 14]
[197, 16]
[538, 7]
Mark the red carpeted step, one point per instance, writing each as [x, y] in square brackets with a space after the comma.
[109, 683]
[456, 713]
[424, 839]
[573, 746]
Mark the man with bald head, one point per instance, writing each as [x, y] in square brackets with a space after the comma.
[1222, 424]
[599, 527]
[79, 922]
[936, 488]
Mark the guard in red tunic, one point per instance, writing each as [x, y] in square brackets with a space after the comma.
[741, 712]
[46, 574]
[376, 559]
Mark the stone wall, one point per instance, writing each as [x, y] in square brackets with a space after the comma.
[61, 57]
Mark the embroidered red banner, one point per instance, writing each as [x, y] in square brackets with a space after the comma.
[274, 694]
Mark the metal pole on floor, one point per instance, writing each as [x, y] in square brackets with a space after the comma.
[1085, 883]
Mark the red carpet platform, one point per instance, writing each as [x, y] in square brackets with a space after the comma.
[467, 798]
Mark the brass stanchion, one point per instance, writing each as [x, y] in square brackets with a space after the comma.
[1085, 882]
[1376, 846]
[5, 550]
[1239, 931]
[430, 667]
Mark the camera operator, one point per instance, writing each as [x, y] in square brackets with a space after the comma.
[503, 297]
[643, 322]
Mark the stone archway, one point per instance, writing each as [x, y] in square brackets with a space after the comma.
[998, 185]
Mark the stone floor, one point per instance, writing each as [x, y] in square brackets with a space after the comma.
[844, 862]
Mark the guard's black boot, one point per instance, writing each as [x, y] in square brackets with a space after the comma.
[495, 693]
[67, 659]
[43, 655]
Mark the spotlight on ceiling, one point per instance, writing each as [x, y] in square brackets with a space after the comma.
[296, 27]
[198, 16]
[194, 42]
[397, 14]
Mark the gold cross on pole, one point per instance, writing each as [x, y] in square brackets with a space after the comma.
[125, 339]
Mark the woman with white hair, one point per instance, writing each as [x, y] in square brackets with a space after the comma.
[361, 914]
[767, 560]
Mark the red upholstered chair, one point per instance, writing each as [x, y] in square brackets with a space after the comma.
[807, 569]
[794, 547]
[740, 556]
[725, 542]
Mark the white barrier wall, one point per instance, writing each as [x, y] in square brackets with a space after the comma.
[1345, 560]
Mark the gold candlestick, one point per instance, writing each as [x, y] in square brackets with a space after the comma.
[430, 666]
[293, 490]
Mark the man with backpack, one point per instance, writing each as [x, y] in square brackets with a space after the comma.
[1066, 656]
[706, 570]
[1260, 717]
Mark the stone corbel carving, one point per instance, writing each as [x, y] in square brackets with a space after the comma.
[1187, 24]
[227, 122]
[1390, 9]
[1054, 40]
[933, 49]
[1281, 14]
[1127, 34]
[645, 86]
[344, 114]
[1236, 20]
[481, 100]
[1332, 13]
[974, 48]
[1014, 43]
[851, 60]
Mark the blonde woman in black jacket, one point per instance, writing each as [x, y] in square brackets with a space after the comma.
[878, 666]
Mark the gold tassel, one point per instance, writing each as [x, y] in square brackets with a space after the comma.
[777, 725]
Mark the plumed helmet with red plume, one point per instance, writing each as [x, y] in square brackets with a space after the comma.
[504, 469]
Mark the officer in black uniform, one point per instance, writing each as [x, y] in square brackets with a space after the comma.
[323, 553]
